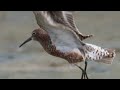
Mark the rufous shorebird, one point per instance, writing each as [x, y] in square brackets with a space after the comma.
[66, 45]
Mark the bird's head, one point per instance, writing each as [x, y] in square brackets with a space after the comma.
[37, 35]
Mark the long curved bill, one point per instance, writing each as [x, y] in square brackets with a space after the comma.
[29, 39]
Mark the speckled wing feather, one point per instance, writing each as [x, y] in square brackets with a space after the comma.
[70, 20]
[66, 19]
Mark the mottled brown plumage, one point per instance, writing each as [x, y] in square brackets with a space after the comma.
[73, 54]
[43, 37]
[60, 37]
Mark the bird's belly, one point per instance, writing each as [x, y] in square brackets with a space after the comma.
[64, 49]
[72, 55]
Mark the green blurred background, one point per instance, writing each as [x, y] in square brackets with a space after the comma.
[32, 62]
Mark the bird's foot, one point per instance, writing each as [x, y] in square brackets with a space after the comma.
[84, 75]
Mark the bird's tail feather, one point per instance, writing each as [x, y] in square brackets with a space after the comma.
[99, 54]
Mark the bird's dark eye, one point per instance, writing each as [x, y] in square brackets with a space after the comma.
[33, 33]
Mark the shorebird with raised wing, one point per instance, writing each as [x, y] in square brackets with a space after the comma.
[67, 46]
[60, 37]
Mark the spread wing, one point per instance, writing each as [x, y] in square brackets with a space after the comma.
[68, 15]
[70, 20]
[61, 37]
[65, 18]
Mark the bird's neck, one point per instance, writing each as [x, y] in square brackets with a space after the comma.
[48, 46]
[46, 42]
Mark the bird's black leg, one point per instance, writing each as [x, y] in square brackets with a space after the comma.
[83, 72]
[82, 77]
[85, 75]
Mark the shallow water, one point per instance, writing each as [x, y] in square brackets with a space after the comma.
[31, 61]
